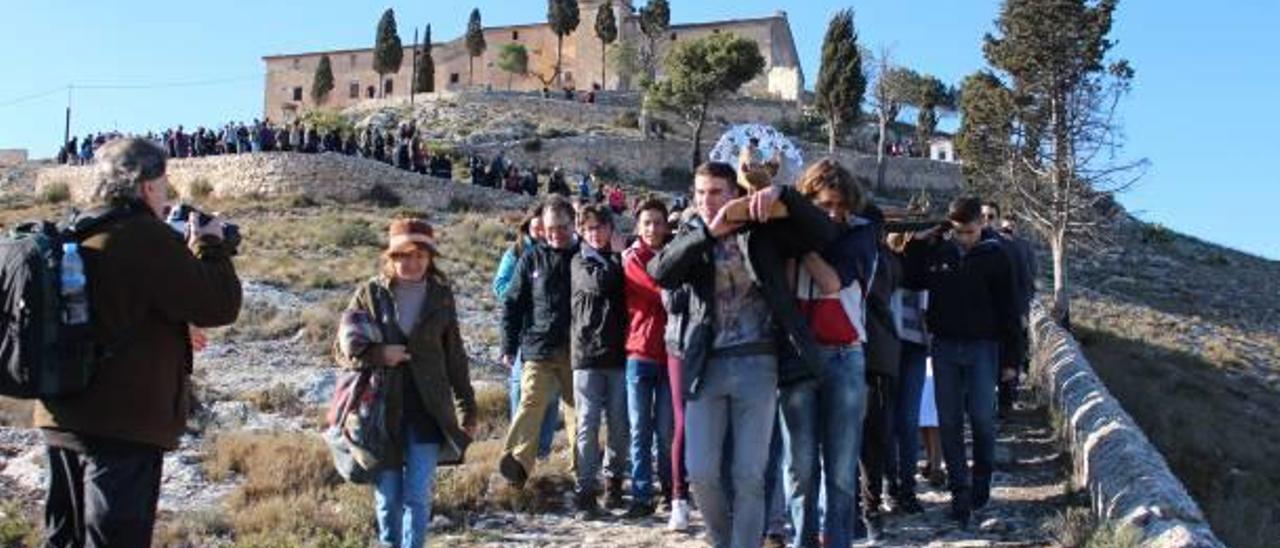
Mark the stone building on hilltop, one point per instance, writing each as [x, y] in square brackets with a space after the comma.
[288, 80]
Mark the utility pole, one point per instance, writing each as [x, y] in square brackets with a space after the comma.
[413, 73]
[66, 127]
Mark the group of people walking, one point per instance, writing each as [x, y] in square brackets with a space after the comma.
[761, 356]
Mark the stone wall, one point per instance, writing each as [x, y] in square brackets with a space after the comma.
[634, 158]
[281, 174]
[1128, 480]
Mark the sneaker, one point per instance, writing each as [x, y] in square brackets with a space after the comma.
[513, 471]
[613, 495]
[679, 516]
[638, 510]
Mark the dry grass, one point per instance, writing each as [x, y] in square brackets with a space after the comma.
[15, 412]
[279, 398]
[272, 465]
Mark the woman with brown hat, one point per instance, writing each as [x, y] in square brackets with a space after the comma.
[413, 305]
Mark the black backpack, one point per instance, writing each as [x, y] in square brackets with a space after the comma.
[40, 355]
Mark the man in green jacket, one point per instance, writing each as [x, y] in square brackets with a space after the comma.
[147, 289]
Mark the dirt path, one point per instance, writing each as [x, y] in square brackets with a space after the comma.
[1029, 489]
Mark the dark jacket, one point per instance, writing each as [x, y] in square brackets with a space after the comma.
[688, 260]
[598, 330]
[883, 347]
[971, 295]
[438, 365]
[145, 288]
[535, 309]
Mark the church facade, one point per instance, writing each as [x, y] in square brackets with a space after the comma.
[288, 77]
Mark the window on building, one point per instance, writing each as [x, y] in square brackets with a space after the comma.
[354, 93]
[386, 87]
[515, 35]
[297, 93]
[371, 92]
[454, 78]
[297, 63]
[353, 62]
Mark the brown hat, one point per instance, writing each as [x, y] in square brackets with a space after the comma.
[409, 233]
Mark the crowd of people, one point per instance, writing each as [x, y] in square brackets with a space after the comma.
[776, 367]
[402, 146]
[770, 353]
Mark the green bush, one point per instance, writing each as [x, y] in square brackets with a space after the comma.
[382, 196]
[1156, 234]
[353, 234]
[673, 177]
[532, 145]
[54, 193]
[628, 120]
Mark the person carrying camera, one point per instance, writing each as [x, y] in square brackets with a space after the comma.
[146, 286]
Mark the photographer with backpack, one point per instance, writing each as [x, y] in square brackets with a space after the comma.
[144, 289]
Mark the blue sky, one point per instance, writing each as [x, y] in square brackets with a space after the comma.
[1209, 176]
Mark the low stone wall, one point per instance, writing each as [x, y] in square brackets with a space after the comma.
[278, 174]
[1128, 480]
[635, 158]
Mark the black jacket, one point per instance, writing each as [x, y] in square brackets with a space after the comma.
[598, 332]
[883, 347]
[688, 260]
[971, 295]
[535, 309]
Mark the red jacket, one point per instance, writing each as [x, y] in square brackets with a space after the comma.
[647, 317]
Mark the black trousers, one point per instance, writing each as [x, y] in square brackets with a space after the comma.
[877, 439]
[103, 496]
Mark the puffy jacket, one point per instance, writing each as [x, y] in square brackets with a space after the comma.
[535, 309]
[687, 260]
[507, 265]
[647, 318]
[145, 288]
[598, 329]
[971, 295]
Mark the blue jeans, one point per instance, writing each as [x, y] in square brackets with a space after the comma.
[964, 375]
[906, 423]
[742, 391]
[402, 496]
[822, 436]
[649, 402]
[597, 393]
[552, 419]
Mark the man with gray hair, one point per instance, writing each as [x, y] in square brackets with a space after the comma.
[146, 290]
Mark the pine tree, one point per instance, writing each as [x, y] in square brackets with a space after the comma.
[426, 77]
[475, 44]
[388, 51]
[698, 73]
[841, 82]
[322, 82]
[563, 17]
[607, 31]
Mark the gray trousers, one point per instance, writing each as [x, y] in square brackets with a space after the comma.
[599, 392]
[742, 391]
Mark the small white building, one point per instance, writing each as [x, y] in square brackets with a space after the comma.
[942, 148]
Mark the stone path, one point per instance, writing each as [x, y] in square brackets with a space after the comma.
[1029, 489]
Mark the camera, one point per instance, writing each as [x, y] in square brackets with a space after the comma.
[178, 217]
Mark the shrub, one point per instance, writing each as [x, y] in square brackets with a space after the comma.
[271, 464]
[200, 189]
[606, 172]
[54, 193]
[382, 196]
[16, 527]
[279, 398]
[1156, 234]
[353, 234]
[533, 144]
[302, 201]
[628, 120]
[461, 203]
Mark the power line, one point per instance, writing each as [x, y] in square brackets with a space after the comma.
[160, 85]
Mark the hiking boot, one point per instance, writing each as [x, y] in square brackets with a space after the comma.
[679, 516]
[639, 510]
[586, 507]
[613, 495]
[512, 471]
